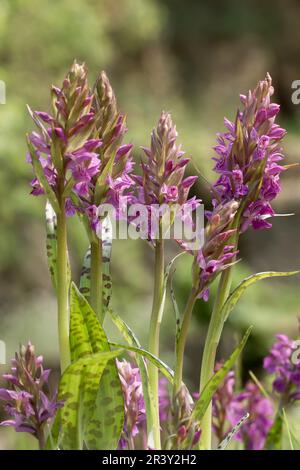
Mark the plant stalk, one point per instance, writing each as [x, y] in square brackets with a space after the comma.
[209, 354]
[96, 278]
[63, 289]
[182, 338]
[154, 333]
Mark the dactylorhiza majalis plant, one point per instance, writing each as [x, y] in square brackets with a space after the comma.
[162, 183]
[248, 167]
[81, 165]
[63, 154]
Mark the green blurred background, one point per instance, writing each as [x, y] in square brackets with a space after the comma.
[191, 58]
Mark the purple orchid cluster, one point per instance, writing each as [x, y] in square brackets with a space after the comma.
[248, 156]
[254, 431]
[230, 406]
[28, 401]
[285, 370]
[79, 147]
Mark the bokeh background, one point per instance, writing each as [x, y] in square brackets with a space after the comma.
[191, 58]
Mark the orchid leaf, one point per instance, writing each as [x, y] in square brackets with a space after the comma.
[175, 308]
[294, 441]
[247, 282]
[101, 184]
[103, 425]
[287, 426]
[213, 384]
[164, 368]
[226, 441]
[78, 389]
[274, 437]
[84, 286]
[166, 278]
[53, 439]
[39, 171]
[51, 244]
[106, 259]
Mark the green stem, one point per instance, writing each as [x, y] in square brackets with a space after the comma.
[96, 278]
[209, 354]
[63, 289]
[154, 332]
[182, 338]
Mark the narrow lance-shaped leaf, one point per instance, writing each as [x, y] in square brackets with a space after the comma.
[51, 244]
[106, 258]
[53, 439]
[226, 441]
[294, 441]
[240, 289]
[42, 178]
[162, 367]
[287, 426]
[166, 277]
[213, 384]
[175, 308]
[274, 437]
[85, 275]
[85, 279]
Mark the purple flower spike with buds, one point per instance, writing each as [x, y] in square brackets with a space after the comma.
[134, 402]
[248, 156]
[229, 407]
[162, 181]
[112, 180]
[28, 401]
[66, 145]
[221, 401]
[255, 430]
[163, 174]
[286, 371]
[217, 253]
[79, 147]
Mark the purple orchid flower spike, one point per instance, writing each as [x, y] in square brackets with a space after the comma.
[134, 403]
[162, 181]
[221, 401]
[112, 182]
[28, 402]
[217, 252]
[281, 364]
[230, 406]
[65, 144]
[255, 430]
[248, 158]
